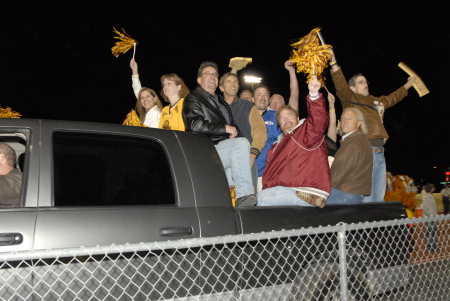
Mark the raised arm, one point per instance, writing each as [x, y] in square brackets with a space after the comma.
[316, 123]
[135, 77]
[293, 85]
[332, 130]
[343, 91]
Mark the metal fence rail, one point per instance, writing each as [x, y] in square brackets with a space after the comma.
[394, 260]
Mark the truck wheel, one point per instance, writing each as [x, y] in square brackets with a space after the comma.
[321, 281]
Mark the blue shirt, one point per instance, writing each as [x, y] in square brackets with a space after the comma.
[273, 131]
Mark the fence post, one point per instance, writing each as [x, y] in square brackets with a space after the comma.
[343, 262]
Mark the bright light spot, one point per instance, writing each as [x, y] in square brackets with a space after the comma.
[435, 167]
[252, 79]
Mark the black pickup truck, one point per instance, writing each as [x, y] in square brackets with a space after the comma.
[91, 184]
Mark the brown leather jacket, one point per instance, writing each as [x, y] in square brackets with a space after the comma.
[366, 104]
[352, 166]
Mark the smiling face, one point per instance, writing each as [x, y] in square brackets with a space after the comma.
[147, 100]
[276, 102]
[170, 88]
[261, 98]
[230, 86]
[209, 79]
[350, 122]
[287, 120]
[361, 86]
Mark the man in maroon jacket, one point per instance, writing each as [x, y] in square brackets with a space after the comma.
[297, 171]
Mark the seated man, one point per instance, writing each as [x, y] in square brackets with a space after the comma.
[10, 178]
[207, 113]
[247, 118]
[297, 171]
[351, 172]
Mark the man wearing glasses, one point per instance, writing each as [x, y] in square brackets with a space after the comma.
[356, 94]
[297, 171]
[207, 113]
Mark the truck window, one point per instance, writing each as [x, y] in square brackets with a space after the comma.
[91, 169]
[11, 183]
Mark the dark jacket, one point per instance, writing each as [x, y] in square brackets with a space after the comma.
[202, 115]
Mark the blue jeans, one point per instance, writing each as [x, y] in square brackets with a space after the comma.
[378, 178]
[280, 196]
[235, 155]
[340, 197]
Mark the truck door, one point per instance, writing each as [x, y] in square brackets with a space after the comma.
[108, 184]
[18, 214]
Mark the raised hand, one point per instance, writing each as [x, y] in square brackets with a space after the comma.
[289, 65]
[410, 82]
[134, 67]
[314, 85]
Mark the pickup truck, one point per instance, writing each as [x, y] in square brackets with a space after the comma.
[91, 184]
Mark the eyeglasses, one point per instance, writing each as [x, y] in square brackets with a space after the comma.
[167, 84]
[363, 82]
[215, 74]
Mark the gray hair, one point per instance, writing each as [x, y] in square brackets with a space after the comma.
[360, 117]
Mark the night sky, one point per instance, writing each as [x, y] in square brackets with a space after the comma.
[56, 60]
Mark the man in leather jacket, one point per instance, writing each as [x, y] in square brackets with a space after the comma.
[207, 113]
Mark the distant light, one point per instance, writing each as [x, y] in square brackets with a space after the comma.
[435, 167]
[252, 79]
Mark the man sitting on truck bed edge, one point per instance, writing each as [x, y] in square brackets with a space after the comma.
[207, 113]
[297, 171]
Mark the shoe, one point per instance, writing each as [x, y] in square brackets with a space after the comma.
[247, 200]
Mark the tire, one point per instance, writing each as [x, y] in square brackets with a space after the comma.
[321, 281]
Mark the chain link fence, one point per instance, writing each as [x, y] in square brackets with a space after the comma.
[395, 260]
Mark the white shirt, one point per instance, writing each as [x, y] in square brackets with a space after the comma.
[152, 117]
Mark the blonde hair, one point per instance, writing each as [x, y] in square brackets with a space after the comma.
[140, 109]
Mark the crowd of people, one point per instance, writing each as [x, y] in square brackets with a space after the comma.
[270, 155]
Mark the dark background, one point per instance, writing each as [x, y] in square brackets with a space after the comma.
[56, 60]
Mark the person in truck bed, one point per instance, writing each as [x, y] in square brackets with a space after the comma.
[351, 172]
[173, 91]
[297, 171]
[205, 112]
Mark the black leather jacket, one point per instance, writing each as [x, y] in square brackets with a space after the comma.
[202, 115]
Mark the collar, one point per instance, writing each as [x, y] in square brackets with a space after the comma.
[155, 107]
[346, 135]
[281, 136]
[203, 92]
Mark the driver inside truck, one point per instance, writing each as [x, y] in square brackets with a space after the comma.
[10, 178]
